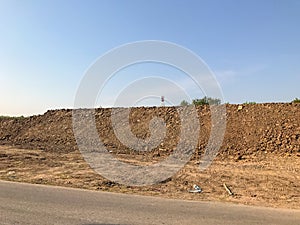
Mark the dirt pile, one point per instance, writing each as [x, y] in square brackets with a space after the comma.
[252, 129]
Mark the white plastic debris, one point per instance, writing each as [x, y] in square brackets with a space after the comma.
[197, 189]
[227, 189]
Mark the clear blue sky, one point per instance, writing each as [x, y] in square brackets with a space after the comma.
[253, 47]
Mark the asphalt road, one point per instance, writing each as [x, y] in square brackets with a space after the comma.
[43, 205]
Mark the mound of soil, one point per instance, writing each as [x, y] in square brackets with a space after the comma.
[252, 129]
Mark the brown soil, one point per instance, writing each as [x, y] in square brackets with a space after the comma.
[259, 159]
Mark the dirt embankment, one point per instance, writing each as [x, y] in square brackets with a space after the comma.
[255, 129]
[259, 159]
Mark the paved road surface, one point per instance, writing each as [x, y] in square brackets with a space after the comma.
[43, 205]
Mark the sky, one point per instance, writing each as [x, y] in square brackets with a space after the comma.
[47, 47]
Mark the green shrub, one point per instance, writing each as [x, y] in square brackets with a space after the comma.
[296, 100]
[206, 101]
[250, 103]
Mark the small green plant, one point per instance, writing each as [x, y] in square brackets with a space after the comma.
[206, 101]
[250, 103]
[12, 117]
[296, 100]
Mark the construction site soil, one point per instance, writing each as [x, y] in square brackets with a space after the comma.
[259, 159]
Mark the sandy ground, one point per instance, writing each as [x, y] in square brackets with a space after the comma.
[268, 180]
